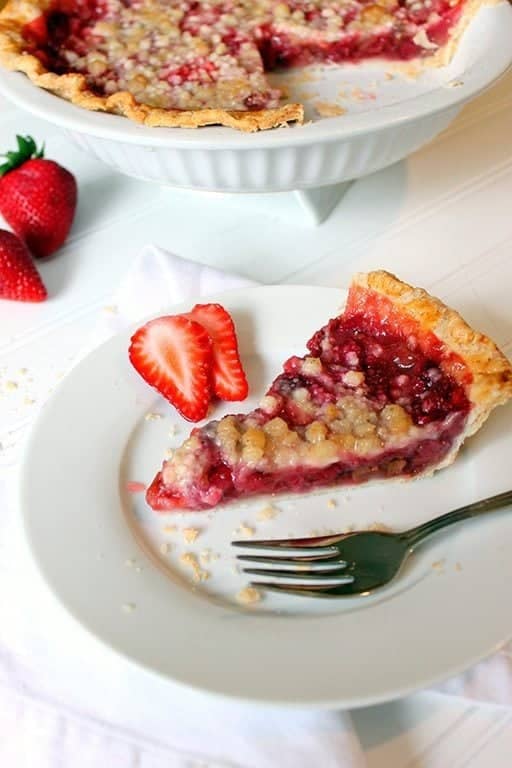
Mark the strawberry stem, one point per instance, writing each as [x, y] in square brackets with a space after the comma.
[27, 149]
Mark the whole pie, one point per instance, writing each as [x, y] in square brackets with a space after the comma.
[389, 389]
[197, 62]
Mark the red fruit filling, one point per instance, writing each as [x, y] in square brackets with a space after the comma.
[411, 370]
[63, 37]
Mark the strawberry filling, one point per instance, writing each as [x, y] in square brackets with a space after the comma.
[376, 379]
[195, 54]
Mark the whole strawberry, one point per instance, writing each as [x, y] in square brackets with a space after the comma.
[19, 279]
[37, 197]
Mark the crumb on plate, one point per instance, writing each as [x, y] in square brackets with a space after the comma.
[190, 534]
[170, 529]
[244, 530]
[191, 561]
[328, 109]
[152, 416]
[268, 512]
[205, 556]
[248, 596]
[379, 527]
[128, 607]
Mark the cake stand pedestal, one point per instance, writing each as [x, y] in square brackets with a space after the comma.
[319, 203]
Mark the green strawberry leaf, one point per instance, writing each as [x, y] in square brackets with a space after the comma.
[26, 150]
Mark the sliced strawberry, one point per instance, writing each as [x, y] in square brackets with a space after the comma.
[228, 377]
[173, 354]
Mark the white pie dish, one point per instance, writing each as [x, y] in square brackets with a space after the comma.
[386, 119]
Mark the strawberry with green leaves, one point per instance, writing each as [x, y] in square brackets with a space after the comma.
[37, 198]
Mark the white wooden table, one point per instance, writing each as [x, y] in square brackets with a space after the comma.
[442, 219]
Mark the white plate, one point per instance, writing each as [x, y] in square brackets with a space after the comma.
[92, 437]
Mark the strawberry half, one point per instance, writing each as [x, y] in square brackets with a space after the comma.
[19, 279]
[228, 378]
[173, 354]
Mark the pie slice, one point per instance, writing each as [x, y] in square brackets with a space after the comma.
[389, 389]
[200, 62]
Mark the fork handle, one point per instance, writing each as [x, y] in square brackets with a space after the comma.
[415, 535]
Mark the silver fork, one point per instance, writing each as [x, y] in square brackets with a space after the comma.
[351, 563]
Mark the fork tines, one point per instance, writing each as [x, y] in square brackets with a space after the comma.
[311, 561]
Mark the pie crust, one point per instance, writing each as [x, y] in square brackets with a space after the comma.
[491, 371]
[391, 388]
[74, 86]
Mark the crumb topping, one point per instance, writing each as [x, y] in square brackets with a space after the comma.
[214, 53]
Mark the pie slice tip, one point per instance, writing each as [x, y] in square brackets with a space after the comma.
[390, 388]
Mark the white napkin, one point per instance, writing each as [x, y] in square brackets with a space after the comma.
[67, 700]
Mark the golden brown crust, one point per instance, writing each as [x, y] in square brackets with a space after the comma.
[491, 371]
[74, 88]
